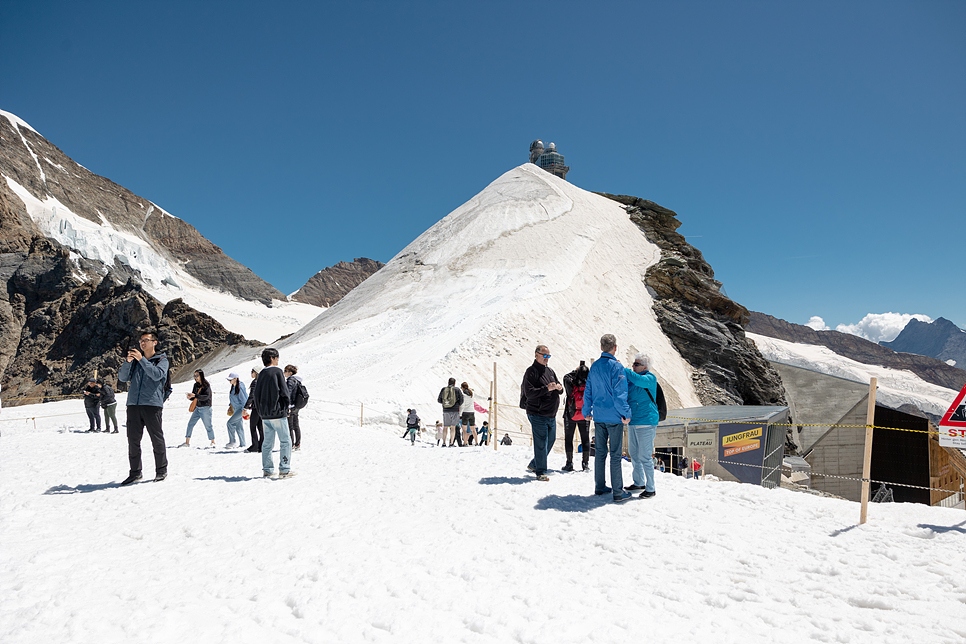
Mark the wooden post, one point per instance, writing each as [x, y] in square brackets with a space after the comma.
[496, 412]
[361, 413]
[867, 460]
[489, 413]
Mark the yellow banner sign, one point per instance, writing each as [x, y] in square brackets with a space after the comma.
[742, 437]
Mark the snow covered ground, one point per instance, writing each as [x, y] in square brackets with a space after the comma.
[376, 540]
[895, 387]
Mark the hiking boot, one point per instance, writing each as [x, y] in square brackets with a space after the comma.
[569, 467]
[543, 477]
[622, 497]
[131, 479]
[267, 475]
[287, 475]
[647, 495]
[160, 476]
[530, 468]
[633, 488]
[602, 492]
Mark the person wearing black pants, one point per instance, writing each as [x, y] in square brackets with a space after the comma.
[574, 383]
[292, 382]
[92, 401]
[147, 374]
[254, 420]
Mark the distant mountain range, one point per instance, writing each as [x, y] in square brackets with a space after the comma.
[930, 369]
[940, 339]
[330, 285]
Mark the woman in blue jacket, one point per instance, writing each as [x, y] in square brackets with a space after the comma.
[237, 397]
[642, 397]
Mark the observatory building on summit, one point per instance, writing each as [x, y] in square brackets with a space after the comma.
[548, 158]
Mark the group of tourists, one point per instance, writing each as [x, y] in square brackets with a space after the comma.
[609, 395]
[272, 404]
[459, 417]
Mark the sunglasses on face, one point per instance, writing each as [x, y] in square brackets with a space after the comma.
[545, 355]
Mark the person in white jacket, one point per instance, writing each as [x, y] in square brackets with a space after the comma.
[468, 416]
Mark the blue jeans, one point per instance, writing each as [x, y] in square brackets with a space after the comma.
[604, 432]
[640, 440]
[544, 436]
[204, 414]
[273, 426]
[236, 426]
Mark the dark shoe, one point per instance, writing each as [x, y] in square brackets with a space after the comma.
[286, 475]
[586, 467]
[131, 479]
[253, 449]
[530, 468]
[602, 492]
[114, 432]
[646, 495]
[160, 476]
[569, 467]
[633, 488]
[543, 477]
[107, 431]
[623, 497]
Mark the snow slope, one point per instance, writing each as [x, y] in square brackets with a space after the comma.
[376, 540]
[894, 387]
[531, 259]
[162, 278]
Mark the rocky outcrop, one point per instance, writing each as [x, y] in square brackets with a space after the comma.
[940, 339]
[330, 285]
[705, 326]
[859, 349]
[63, 326]
[45, 171]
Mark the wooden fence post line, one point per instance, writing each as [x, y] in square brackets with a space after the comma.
[867, 460]
[361, 413]
[489, 412]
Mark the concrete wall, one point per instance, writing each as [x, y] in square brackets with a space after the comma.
[817, 399]
[840, 452]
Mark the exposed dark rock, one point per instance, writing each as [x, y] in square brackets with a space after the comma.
[65, 329]
[703, 324]
[859, 349]
[49, 172]
[940, 339]
[330, 285]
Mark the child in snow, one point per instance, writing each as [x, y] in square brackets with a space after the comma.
[440, 434]
[412, 424]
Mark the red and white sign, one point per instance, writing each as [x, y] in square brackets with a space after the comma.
[952, 428]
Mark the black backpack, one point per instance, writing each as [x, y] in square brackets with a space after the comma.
[301, 396]
[661, 403]
[166, 392]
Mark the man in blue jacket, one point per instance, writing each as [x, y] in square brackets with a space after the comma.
[605, 403]
[147, 372]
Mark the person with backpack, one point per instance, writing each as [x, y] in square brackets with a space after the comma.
[574, 384]
[451, 399]
[412, 425]
[200, 408]
[540, 396]
[92, 401]
[254, 420]
[642, 397]
[147, 372]
[237, 397]
[298, 397]
[108, 404]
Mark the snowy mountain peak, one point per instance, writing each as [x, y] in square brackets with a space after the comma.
[530, 259]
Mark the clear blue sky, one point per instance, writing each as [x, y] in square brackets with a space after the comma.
[815, 151]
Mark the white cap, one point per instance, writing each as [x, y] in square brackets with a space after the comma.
[232, 375]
